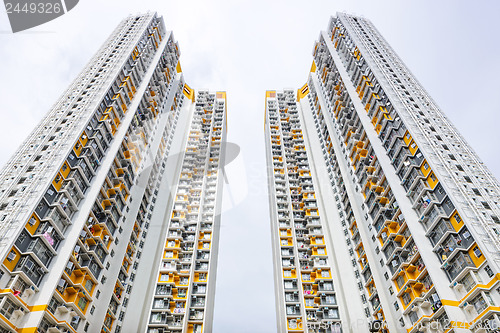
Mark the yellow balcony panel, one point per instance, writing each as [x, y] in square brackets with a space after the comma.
[77, 276]
[398, 238]
[78, 148]
[111, 193]
[104, 117]
[58, 181]
[418, 286]
[170, 254]
[295, 324]
[323, 274]
[432, 180]
[363, 152]
[113, 129]
[65, 170]
[165, 277]
[456, 221]
[106, 204]
[383, 200]
[12, 259]
[191, 328]
[411, 268]
[391, 224]
[311, 212]
[96, 230]
[413, 147]
[319, 251]
[476, 255]
[91, 241]
[70, 294]
[203, 245]
[289, 273]
[317, 240]
[32, 223]
[407, 138]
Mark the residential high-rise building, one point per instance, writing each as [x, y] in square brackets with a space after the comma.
[312, 289]
[396, 187]
[183, 291]
[128, 153]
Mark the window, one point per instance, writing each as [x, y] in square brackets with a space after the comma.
[406, 298]
[479, 303]
[8, 308]
[488, 271]
[468, 282]
[82, 303]
[400, 280]
[287, 273]
[477, 252]
[12, 255]
[89, 285]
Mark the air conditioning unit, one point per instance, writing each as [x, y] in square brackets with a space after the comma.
[468, 307]
[458, 286]
[18, 313]
[53, 329]
[425, 304]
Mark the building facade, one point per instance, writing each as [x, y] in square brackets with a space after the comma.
[403, 192]
[312, 289]
[88, 198]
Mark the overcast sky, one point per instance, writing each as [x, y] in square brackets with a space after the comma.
[451, 46]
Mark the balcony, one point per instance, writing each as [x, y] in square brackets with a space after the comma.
[28, 266]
